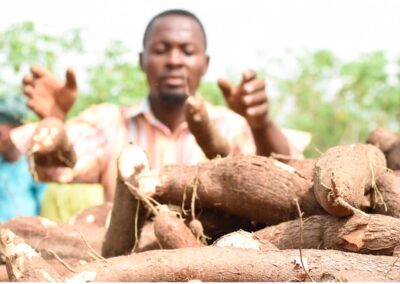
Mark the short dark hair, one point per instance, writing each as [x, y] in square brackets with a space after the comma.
[174, 12]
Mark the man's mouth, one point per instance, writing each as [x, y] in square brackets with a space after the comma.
[174, 81]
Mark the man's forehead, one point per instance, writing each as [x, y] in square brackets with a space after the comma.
[176, 26]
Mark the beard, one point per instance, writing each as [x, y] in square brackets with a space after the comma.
[171, 97]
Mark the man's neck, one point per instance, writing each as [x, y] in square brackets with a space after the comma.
[171, 115]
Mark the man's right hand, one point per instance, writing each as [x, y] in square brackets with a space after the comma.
[48, 96]
[50, 144]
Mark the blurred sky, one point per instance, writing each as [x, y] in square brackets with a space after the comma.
[240, 33]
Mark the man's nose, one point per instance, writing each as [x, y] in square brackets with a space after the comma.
[175, 58]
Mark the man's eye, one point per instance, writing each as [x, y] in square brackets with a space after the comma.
[189, 51]
[160, 50]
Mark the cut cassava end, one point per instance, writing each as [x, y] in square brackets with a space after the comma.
[254, 187]
[67, 241]
[128, 215]
[243, 239]
[373, 234]
[205, 132]
[23, 263]
[344, 174]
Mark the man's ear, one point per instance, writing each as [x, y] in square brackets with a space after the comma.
[207, 62]
[141, 60]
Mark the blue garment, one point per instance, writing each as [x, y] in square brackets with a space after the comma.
[20, 195]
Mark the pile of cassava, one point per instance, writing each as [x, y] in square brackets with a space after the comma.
[241, 218]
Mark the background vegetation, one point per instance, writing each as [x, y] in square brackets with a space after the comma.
[337, 101]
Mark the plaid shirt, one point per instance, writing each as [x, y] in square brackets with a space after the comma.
[103, 130]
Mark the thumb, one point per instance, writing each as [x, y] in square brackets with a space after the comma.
[71, 79]
[225, 88]
[38, 71]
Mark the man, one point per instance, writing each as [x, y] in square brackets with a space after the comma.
[174, 59]
[20, 195]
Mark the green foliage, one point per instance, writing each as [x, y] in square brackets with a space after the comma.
[114, 79]
[340, 102]
[211, 93]
[21, 45]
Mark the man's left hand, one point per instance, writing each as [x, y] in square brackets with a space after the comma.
[248, 99]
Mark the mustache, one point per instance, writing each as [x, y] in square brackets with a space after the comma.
[180, 75]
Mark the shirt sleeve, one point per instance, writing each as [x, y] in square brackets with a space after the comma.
[90, 134]
[234, 128]
[237, 131]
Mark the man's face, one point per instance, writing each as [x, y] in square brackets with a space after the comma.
[174, 58]
[5, 141]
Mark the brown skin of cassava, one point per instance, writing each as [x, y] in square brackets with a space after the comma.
[96, 216]
[64, 239]
[172, 233]
[374, 234]
[389, 143]
[382, 138]
[248, 186]
[120, 237]
[393, 157]
[207, 135]
[346, 173]
[304, 168]
[388, 201]
[232, 264]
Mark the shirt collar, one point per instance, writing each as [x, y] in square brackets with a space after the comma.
[138, 108]
[142, 107]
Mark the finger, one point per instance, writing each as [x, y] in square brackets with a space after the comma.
[32, 104]
[258, 110]
[249, 75]
[254, 99]
[225, 88]
[27, 79]
[28, 91]
[253, 86]
[71, 79]
[38, 71]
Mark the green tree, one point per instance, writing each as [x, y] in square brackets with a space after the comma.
[114, 79]
[22, 45]
[339, 102]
